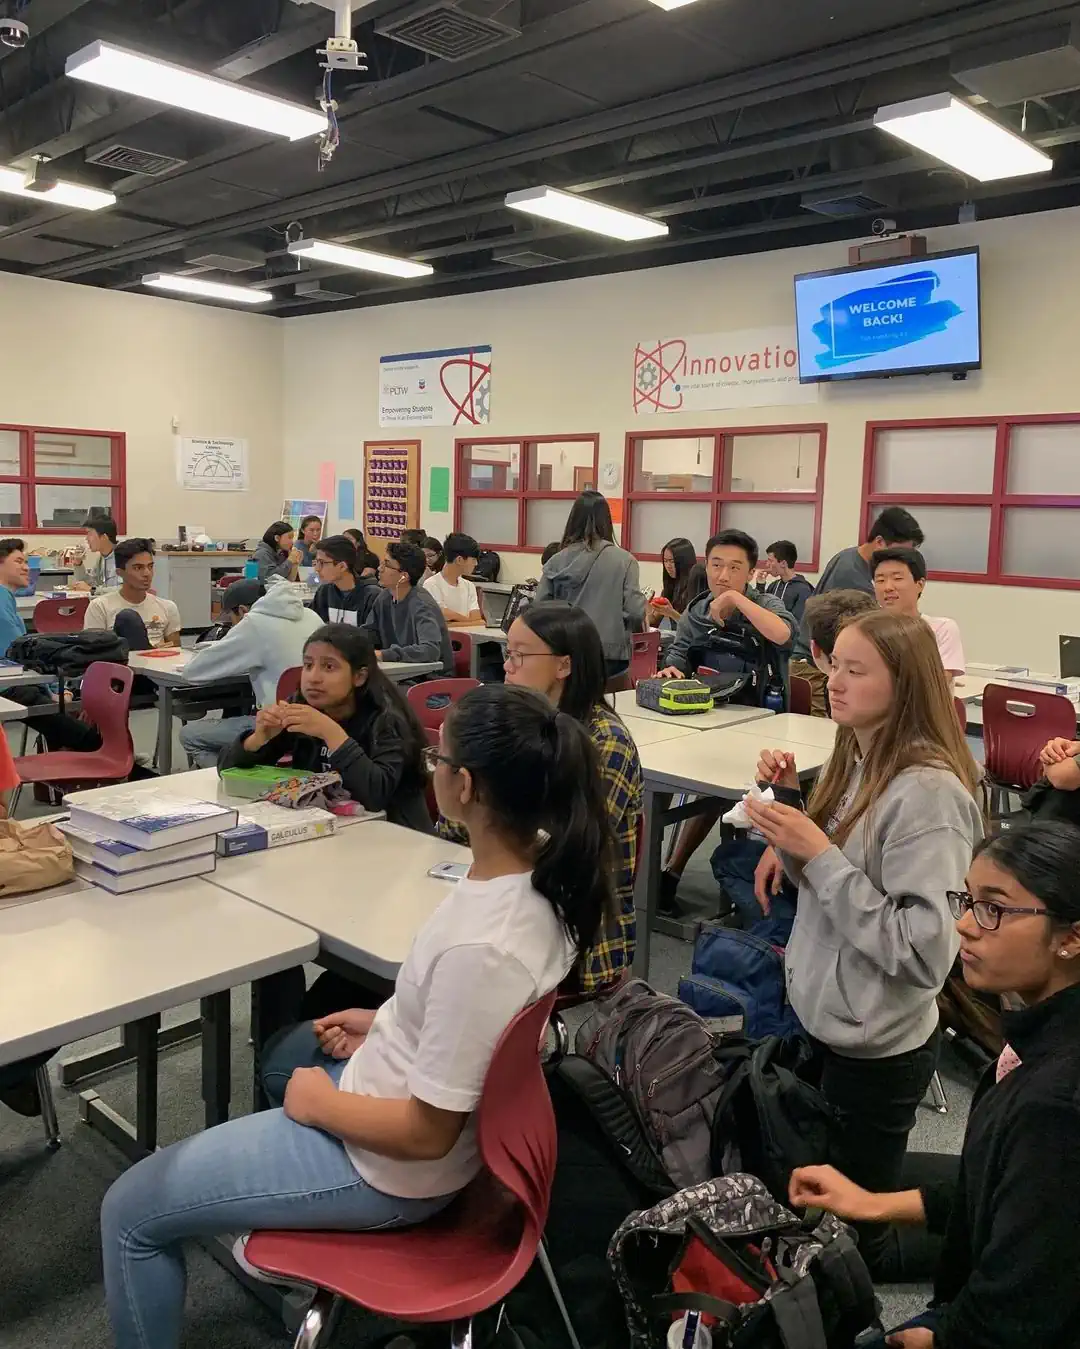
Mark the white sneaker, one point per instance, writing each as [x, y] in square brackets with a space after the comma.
[239, 1254]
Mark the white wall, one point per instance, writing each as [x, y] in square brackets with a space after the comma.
[563, 359]
[102, 360]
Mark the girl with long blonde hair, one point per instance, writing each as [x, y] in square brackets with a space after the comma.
[889, 828]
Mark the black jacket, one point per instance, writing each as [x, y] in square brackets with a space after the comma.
[1008, 1272]
[346, 606]
[374, 763]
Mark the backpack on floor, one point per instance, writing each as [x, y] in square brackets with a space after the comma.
[67, 653]
[769, 1118]
[737, 980]
[761, 1277]
[662, 1055]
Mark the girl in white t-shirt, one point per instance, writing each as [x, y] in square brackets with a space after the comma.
[379, 1132]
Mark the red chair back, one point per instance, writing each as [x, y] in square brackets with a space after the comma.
[106, 699]
[224, 582]
[432, 701]
[288, 683]
[1017, 723]
[961, 712]
[801, 696]
[462, 649]
[644, 655]
[60, 615]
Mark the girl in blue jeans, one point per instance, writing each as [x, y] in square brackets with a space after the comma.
[1007, 1270]
[384, 1135]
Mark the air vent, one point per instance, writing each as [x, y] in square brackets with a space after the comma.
[127, 159]
[524, 257]
[227, 257]
[843, 204]
[446, 31]
[316, 292]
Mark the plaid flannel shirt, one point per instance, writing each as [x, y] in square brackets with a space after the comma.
[620, 771]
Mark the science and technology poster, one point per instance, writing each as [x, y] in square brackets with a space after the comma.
[436, 388]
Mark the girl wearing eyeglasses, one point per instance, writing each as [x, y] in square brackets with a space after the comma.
[378, 1126]
[1007, 1271]
[889, 827]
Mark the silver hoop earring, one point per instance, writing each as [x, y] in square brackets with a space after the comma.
[1065, 955]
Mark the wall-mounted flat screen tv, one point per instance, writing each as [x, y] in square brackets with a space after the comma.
[899, 318]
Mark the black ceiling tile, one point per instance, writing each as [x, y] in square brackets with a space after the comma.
[103, 229]
[197, 197]
[513, 103]
[283, 170]
[413, 133]
[36, 251]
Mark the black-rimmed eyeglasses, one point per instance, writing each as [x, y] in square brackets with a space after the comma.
[988, 915]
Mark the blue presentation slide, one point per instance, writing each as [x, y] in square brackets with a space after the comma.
[915, 315]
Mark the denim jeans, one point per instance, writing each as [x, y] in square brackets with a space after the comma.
[205, 739]
[294, 1047]
[258, 1172]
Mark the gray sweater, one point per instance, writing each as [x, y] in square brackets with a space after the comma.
[410, 629]
[696, 637]
[873, 940]
[605, 583]
[846, 570]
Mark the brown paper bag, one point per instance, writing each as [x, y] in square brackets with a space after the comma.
[32, 857]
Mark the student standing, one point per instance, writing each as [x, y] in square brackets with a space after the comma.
[378, 1127]
[343, 595]
[307, 538]
[348, 719]
[451, 588]
[850, 570]
[405, 622]
[1006, 1274]
[889, 828]
[141, 619]
[98, 565]
[899, 582]
[275, 553]
[591, 571]
[266, 637]
[785, 583]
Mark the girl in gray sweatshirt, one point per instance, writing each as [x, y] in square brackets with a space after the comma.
[889, 828]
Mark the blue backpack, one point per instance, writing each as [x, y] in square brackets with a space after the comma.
[737, 978]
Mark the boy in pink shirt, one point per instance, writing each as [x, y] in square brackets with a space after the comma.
[899, 581]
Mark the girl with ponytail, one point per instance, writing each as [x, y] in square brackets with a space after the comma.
[377, 1126]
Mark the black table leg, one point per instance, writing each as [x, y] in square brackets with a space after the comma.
[135, 1143]
[216, 1056]
[647, 885]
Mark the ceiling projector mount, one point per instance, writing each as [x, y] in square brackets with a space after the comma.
[340, 53]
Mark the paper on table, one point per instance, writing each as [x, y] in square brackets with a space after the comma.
[346, 499]
[327, 477]
[439, 490]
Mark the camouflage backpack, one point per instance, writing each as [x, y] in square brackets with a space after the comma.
[762, 1276]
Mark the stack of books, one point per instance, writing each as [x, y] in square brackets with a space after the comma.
[128, 841]
[263, 825]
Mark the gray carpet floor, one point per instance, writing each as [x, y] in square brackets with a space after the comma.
[50, 1268]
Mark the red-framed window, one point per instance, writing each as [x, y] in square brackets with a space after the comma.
[53, 478]
[516, 493]
[998, 498]
[766, 480]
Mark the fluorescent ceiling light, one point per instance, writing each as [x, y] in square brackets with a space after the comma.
[956, 133]
[338, 255]
[584, 214]
[13, 182]
[210, 290]
[160, 81]
[671, 4]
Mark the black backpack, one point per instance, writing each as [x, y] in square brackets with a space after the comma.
[67, 653]
[488, 566]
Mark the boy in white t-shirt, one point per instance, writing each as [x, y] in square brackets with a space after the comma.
[141, 619]
[899, 581]
[451, 588]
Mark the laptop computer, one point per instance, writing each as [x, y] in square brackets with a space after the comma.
[493, 605]
[1069, 657]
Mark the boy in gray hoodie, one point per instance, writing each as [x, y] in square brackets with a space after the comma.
[406, 622]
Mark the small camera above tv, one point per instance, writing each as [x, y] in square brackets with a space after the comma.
[896, 318]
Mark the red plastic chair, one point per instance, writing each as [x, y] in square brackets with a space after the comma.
[106, 698]
[432, 701]
[1017, 723]
[224, 582]
[800, 696]
[288, 683]
[474, 1253]
[644, 655]
[461, 645]
[60, 615]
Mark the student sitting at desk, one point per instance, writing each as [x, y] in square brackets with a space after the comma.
[266, 636]
[378, 1127]
[899, 582]
[451, 588]
[343, 596]
[405, 623]
[141, 619]
[348, 718]
[98, 565]
[275, 554]
[307, 539]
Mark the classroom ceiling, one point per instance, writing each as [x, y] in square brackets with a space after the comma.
[744, 124]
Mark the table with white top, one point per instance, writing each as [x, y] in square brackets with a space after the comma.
[644, 732]
[720, 763]
[167, 673]
[365, 891]
[479, 636]
[84, 961]
[727, 715]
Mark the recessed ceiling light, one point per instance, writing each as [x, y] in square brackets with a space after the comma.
[957, 134]
[13, 182]
[584, 214]
[177, 87]
[339, 255]
[209, 290]
[671, 4]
